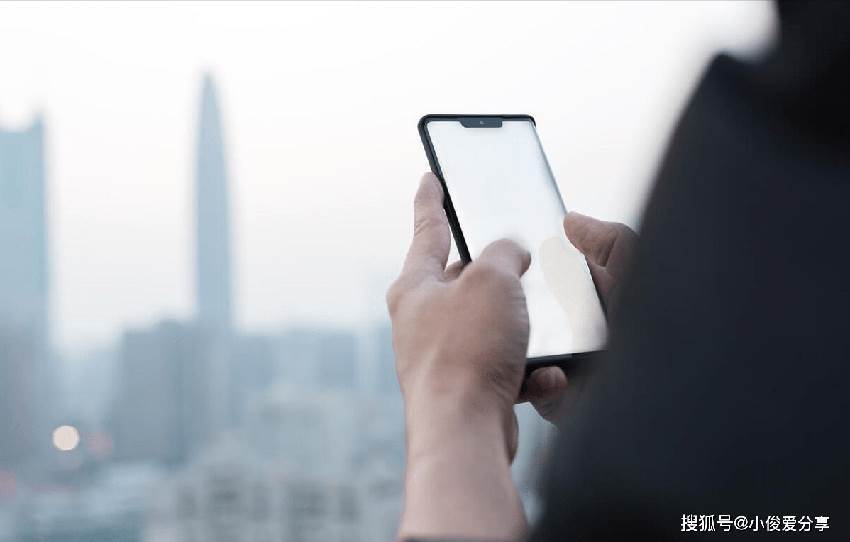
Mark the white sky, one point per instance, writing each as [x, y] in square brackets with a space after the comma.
[320, 103]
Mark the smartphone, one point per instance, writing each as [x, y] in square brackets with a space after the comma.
[498, 184]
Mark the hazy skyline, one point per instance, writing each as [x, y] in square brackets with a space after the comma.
[323, 151]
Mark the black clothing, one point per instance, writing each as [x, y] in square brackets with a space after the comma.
[725, 387]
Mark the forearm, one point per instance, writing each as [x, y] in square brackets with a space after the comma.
[458, 482]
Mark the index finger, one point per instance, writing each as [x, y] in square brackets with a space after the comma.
[429, 249]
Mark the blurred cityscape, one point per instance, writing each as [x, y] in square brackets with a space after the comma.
[188, 430]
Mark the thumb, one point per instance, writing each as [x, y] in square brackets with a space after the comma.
[593, 238]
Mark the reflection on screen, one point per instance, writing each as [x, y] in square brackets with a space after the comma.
[501, 186]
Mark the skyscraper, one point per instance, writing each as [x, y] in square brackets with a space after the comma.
[213, 266]
[23, 237]
[24, 379]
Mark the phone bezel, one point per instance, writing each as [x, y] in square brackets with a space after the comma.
[567, 361]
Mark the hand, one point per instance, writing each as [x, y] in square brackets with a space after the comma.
[608, 248]
[458, 332]
[460, 337]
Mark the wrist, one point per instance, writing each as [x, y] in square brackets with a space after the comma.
[462, 455]
[457, 408]
[446, 425]
[461, 435]
[461, 491]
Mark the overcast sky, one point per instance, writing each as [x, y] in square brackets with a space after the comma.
[320, 103]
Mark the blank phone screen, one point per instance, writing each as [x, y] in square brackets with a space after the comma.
[501, 186]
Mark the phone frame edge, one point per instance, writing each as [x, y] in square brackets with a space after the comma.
[568, 362]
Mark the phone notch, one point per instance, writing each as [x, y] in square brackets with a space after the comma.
[481, 122]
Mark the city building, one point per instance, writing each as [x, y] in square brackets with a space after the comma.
[253, 368]
[296, 471]
[110, 507]
[213, 253]
[319, 358]
[21, 414]
[229, 494]
[165, 407]
[23, 231]
[25, 379]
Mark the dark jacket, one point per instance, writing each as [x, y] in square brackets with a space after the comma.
[726, 389]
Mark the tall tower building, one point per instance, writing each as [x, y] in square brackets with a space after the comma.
[24, 378]
[213, 265]
[23, 232]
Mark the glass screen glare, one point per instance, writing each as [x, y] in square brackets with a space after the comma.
[502, 187]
